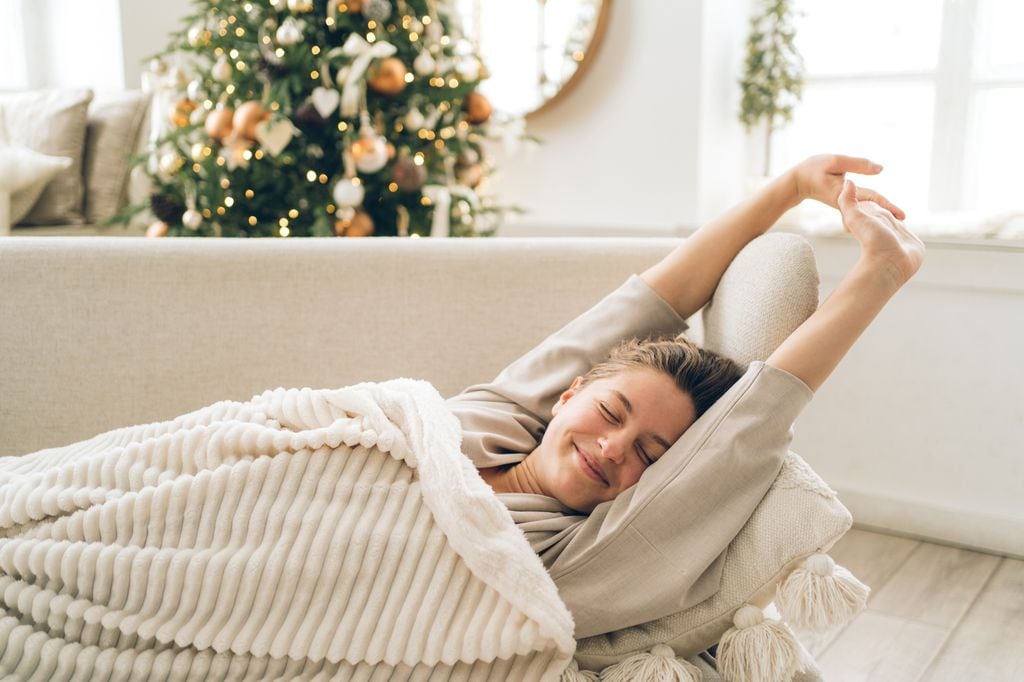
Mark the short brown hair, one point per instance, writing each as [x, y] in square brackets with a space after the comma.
[703, 375]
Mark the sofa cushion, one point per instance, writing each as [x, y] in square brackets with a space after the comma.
[799, 516]
[51, 122]
[24, 174]
[112, 131]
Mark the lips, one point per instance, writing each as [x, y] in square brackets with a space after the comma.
[590, 466]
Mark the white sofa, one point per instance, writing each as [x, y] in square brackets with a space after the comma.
[97, 132]
[99, 332]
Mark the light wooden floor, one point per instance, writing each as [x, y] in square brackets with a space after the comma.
[936, 614]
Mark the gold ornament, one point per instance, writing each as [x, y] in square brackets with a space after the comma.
[359, 225]
[246, 117]
[470, 175]
[180, 112]
[157, 229]
[370, 152]
[478, 108]
[219, 122]
[169, 164]
[387, 76]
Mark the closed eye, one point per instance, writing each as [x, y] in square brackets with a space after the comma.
[608, 415]
[612, 419]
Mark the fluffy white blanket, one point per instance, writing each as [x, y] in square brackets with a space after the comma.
[327, 534]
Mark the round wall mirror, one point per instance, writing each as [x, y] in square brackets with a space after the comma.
[535, 50]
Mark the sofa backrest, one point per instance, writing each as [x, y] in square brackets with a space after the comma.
[102, 332]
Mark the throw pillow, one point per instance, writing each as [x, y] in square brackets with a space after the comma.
[51, 122]
[112, 130]
[799, 516]
[24, 174]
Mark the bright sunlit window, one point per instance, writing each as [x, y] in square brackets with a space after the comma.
[933, 89]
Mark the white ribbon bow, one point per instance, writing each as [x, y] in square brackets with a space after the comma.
[441, 197]
[362, 53]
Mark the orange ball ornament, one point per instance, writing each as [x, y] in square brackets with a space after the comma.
[355, 5]
[387, 76]
[477, 107]
[219, 123]
[180, 112]
[247, 116]
[157, 229]
[359, 225]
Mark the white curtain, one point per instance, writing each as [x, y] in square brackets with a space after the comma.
[13, 58]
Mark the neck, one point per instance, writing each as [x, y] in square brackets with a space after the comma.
[517, 478]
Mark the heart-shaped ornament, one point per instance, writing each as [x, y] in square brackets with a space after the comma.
[274, 135]
[325, 100]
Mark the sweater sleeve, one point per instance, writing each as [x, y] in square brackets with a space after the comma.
[657, 548]
[508, 415]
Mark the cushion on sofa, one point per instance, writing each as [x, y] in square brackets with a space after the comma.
[799, 516]
[24, 174]
[113, 124]
[51, 122]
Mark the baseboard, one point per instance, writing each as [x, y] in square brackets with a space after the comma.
[966, 528]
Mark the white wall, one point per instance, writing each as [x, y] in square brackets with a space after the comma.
[921, 427]
[147, 26]
[647, 139]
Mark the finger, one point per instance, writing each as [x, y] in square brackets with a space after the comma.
[865, 194]
[847, 199]
[856, 164]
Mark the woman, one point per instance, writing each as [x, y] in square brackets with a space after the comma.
[630, 508]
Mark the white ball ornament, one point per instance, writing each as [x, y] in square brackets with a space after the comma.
[192, 219]
[468, 68]
[197, 152]
[198, 36]
[370, 153]
[414, 119]
[279, 4]
[424, 64]
[300, 6]
[222, 70]
[349, 193]
[170, 163]
[288, 33]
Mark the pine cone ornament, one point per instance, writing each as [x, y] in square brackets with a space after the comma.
[166, 209]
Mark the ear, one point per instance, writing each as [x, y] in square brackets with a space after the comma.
[573, 389]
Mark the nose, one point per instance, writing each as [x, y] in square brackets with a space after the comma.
[613, 447]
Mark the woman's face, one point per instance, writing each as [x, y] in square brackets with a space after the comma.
[604, 435]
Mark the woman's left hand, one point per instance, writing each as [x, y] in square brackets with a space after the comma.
[821, 178]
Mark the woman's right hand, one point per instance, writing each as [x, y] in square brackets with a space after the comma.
[885, 242]
[821, 178]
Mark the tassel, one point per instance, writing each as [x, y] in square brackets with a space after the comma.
[820, 595]
[758, 650]
[572, 673]
[660, 665]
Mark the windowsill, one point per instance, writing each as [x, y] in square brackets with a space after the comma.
[962, 229]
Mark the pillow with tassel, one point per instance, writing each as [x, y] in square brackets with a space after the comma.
[777, 557]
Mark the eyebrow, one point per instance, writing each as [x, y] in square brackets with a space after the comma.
[629, 410]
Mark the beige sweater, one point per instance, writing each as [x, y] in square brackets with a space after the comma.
[658, 547]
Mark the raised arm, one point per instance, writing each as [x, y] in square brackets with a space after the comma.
[687, 277]
[890, 256]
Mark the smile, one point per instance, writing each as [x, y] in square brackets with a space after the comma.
[591, 470]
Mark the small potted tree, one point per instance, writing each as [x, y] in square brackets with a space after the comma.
[773, 74]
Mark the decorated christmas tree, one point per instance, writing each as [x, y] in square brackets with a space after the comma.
[319, 118]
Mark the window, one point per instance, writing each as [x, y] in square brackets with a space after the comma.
[933, 89]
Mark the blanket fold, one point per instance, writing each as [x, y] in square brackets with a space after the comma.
[328, 534]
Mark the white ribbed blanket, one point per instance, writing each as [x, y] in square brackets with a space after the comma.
[313, 534]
